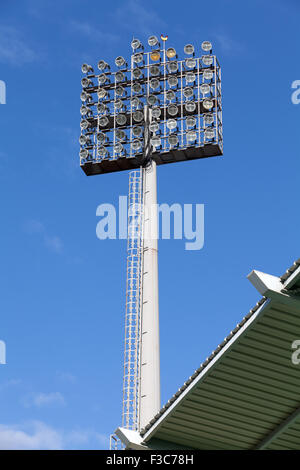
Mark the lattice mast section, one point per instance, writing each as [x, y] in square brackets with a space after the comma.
[130, 413]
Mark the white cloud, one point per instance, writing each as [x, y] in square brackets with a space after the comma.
[145, 19]
[228, 44]
[53, 242]
[66, 377]
[90, 31]
[9, 383]
[36, 435]
[44, 399]
[13, 48]
[34, 226]
[41, 437]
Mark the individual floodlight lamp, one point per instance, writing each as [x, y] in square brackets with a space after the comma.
[189, 49]
[190, 63]
[102, 65]
[85, 68]
[153, 41]
[155, 56]
[171, 53]
[136, 44]
[120, 61]
[206, 46]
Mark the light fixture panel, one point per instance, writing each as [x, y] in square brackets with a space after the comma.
[184, 95]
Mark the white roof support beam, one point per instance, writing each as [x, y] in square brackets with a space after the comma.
[131, 439]
[271, 287]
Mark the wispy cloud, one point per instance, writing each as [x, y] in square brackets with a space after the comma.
[44, 399]
[41, 437]
[90, 31]
[228, 44]
[36, 435]
[66, 377]
[13, 47]
[53, 242]
[33, 226]
[145, 19]
[9, 383]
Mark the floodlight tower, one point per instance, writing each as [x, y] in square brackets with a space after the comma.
[158, 109]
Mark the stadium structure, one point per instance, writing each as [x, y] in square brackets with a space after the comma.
[245, 395]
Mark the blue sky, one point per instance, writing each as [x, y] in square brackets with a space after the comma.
[63, 290]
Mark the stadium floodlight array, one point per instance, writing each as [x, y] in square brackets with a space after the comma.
[183, 96]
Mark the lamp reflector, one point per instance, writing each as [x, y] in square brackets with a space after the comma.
[103, 121]
[190, 106]
[137, 73]
[136, 44]
[154, 126]
[191, 121]
[102, 65]
[85, 68]
[154, 70]
[137, 131]
[208, 119]
[190, 77]
[204, 88]
[189, 49]
[209, 133]
[188, 92]
[171, 52]
[191, 136]
[171, 124]
[156, 112]
[120, 61]
[101, 93]
[172, 109]
[138, 116]
[154, 83]
[155, 141]
[173, 140]
[208, 104]
[170, 95]
[191, 63]
[152, 41]
[137, 58]
[206, 46]
[136, 144]
[151, 100]
[172, 66]
[155, 56]
[208, 74]
[172, 80]
[121, 119]
[207, 59]
[102, 79]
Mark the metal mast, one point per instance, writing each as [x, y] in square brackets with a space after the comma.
[149, 387]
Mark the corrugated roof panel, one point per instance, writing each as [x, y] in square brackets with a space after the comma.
[239, 400]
